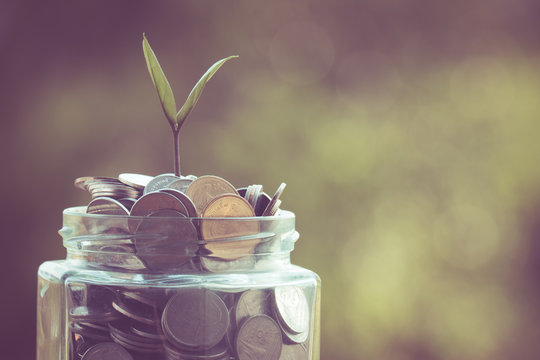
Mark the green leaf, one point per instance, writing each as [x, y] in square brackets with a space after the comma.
[161, 84]
[196, 92]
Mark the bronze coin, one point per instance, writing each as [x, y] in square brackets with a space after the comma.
[237, 232]
[259, 337]
[251, 303]
[252, 194]
[107, 351]
[205, 188]
[195, 318]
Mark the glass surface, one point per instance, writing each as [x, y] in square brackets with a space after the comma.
[150, 288]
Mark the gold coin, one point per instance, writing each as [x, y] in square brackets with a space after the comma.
[229, 238]
[205, 188]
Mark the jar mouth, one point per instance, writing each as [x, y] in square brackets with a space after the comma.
[163, 243]
[81, 212]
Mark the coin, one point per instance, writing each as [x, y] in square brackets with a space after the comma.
[291, 338]
[259, 337]
[181, 184]
[252, 194]
[137, 181]
[189, 207]
[294, 352]
[132, 346]
[91, 314]
[250, 303]
[159, 182]
[292, 308]
[237, 233]
[136, 311]
[218, 352]
[195, 318]
[262, 202]
[213, 264]
[107, 351]
[106, 206]
[89, 333]
[270, 207]
[123, 330]
[127, 202]
[153, 202]
[206, 188]
[102, 326]
[147, 331]
[166, 239]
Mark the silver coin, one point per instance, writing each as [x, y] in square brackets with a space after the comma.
[181, 197]
[159, 182]
[106, 206]
[294, 352]
[251, 303]
[255, 196]
[262, 202]
[153, 202]
[186, 201]
[259, 337]
[89, 332]
[131, 346]
[137, 181]
[181, 184]
[127, 202]
[292, 309]
[195, 318]
[275, 198]
[290, 338]
[252, 194]
[165, 239]
[107, 351]
[136, 311]
[214, 264]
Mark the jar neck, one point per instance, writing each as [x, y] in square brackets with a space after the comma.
[178, 245]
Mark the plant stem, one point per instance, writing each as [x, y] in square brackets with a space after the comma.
[176, 137]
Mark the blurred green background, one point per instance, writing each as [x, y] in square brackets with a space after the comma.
[407, 132]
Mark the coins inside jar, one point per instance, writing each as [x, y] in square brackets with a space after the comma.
[182, 323]
[198, 209]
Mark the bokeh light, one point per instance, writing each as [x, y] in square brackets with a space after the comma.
[406, 133]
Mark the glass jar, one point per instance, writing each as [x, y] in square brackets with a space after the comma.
[149, 288]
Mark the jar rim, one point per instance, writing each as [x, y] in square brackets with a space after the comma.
[81, 212]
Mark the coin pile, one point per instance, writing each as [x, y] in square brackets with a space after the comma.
[172, 220]
[188, 324]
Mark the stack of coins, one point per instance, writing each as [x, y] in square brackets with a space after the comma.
[190, 323]
[175, 222]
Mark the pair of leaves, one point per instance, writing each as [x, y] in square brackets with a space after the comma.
[166, 97]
